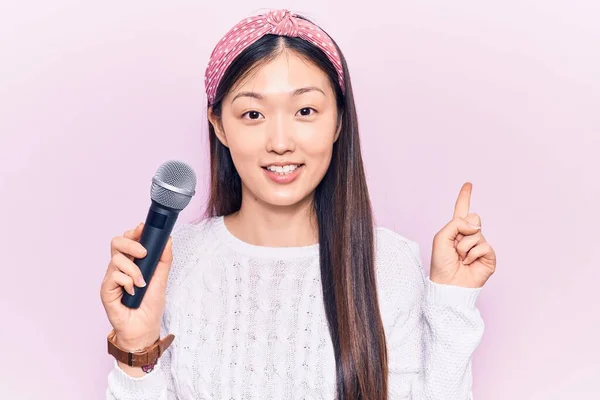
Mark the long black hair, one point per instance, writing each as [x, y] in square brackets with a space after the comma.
[343, 211]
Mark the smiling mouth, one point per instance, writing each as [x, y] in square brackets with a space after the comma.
[283, 170]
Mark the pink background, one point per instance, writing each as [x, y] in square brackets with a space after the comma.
[506, 94]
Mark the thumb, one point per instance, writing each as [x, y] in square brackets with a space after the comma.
[457, 226]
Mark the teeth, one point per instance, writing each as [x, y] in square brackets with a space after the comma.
[286, 169]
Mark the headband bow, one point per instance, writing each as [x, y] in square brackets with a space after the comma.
[249, 30]
[283, 23]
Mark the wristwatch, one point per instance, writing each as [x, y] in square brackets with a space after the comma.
[142, 358]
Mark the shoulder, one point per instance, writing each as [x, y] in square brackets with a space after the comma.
[397, 255]
[189, 238]
[191, 242]
[190, 233]
[389, 243]
[399, 270]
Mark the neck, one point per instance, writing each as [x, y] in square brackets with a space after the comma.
[263, 224]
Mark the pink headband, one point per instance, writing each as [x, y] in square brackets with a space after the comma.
[249, 30]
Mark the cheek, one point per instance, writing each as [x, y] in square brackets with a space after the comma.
[244, 157]
[322, 156]
[318, 148]
[243, 145]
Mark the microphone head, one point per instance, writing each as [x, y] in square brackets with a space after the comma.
[173, 185]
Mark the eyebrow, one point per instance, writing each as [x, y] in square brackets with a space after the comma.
[296, 92]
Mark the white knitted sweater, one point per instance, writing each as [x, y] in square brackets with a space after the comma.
[249, 323]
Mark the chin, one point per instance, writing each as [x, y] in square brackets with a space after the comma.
[296, 193]
[283, 199]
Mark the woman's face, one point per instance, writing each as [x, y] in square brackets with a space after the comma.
[280, 125]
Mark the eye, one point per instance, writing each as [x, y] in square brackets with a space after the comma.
[306, 111]
[252, 115]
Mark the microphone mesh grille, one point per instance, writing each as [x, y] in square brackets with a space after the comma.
[175, 173]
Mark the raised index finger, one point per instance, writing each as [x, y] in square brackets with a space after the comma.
[461, 208]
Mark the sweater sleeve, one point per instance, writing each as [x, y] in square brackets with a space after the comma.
[433, 336]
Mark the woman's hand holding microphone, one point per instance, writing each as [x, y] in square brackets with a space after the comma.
[139, 328]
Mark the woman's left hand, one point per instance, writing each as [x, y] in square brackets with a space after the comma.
[461, 256]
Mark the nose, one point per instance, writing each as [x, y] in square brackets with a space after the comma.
[280, 135]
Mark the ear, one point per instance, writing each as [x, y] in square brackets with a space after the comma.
[339, 127]
[218, 127]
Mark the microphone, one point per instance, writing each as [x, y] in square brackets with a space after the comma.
[172, 188]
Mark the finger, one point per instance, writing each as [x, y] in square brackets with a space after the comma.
[454, 228]
[129, 247]
[125, 265]
[136, 233]
[461, 208]
[467, 243]
[119, 279]
[474, 219]
[481, 250]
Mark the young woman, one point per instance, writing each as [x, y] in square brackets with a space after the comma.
[287, 290]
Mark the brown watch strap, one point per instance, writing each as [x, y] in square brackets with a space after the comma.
[147, 356]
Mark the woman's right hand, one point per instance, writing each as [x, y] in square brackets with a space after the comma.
[135, 328]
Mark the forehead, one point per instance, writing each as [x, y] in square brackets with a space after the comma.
[288, 71]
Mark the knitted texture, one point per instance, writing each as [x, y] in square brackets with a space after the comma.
[249, 323]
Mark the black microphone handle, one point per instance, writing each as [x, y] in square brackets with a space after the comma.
[155, 235]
